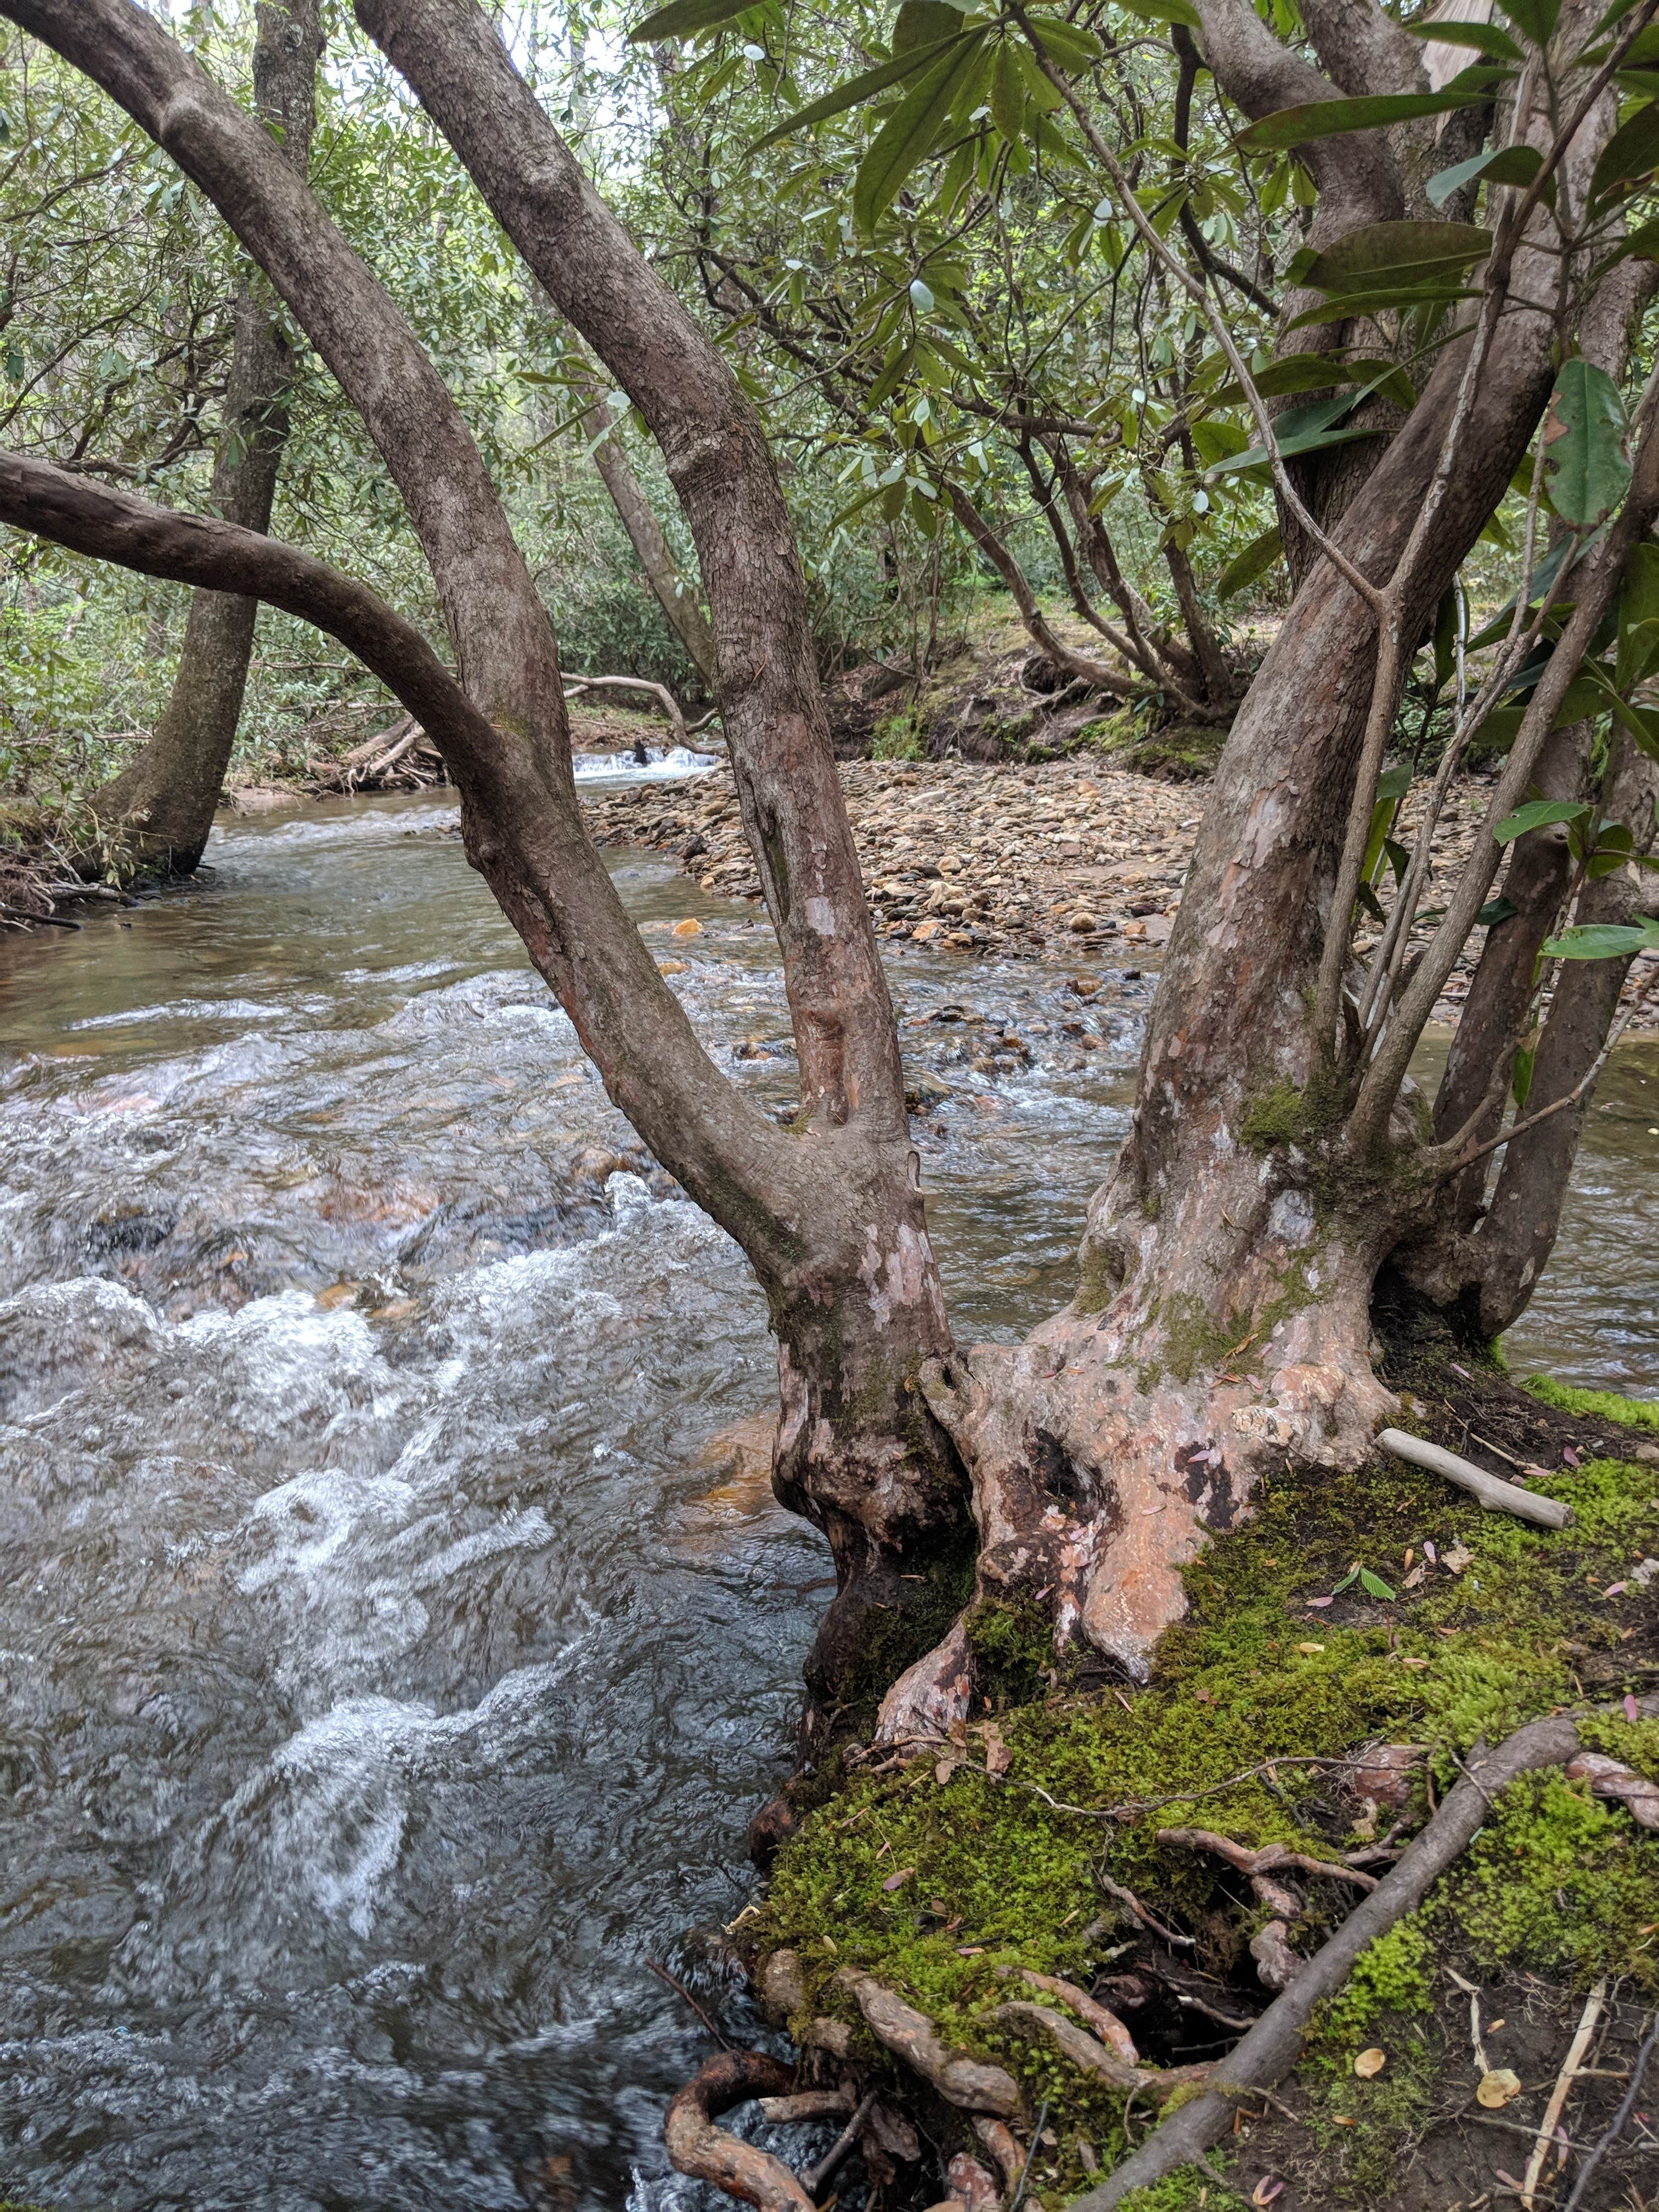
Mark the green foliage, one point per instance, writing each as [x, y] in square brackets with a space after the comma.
[1585, 440]
[898, 736]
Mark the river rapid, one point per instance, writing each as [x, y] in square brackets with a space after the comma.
[387, 1670]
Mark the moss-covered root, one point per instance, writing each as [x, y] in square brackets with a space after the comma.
[1273, 2046]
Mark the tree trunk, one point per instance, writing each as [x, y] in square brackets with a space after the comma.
[1481, 1265]
[156, 814]
[675, 596]
[829, 1211]
[1222, 1326]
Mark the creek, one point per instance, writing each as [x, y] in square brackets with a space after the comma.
[387, 1670]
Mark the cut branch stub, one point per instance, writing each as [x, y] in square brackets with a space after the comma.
[1496, 1495]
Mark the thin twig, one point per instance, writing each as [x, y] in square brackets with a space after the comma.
[1619, 2118]
[680, 1990]
[1025, 2172]
[1564, 2081]
[1586, 1083]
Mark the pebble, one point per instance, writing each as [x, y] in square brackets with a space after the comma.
[1030, 861]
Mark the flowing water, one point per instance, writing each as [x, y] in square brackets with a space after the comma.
[384, 1682]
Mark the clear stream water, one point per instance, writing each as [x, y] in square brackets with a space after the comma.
[383, 1681]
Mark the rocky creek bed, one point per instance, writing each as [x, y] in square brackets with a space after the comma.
[1037, 860]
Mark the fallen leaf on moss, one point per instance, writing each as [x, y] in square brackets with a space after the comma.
[898, 1881]
[1498, 2088]
[998, 1757]
[1266, 2189]
[945, 1769]
[1369, 2064]
[1309, 1649]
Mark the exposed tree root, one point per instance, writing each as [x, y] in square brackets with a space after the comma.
[969, 2083]
[698, 2147]
[1089, 2056]
[1268, 2052]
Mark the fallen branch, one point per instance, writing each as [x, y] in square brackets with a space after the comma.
[1494, 1493]
[814, 2177]
[1273, 2046]
[575, 685]
[695, 2146]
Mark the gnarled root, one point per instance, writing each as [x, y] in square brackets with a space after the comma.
[1090, 2056]
[1102, 1457]
[1276, 1965]
[1268, 2052]
[969, 2083]
[697, 2147]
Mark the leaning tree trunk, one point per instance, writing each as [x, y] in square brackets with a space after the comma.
[645, 534]
[829, 1211]
[156, 815]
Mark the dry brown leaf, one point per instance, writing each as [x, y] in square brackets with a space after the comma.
[1369, 2064]
[945, 1769]
[1500, 2087]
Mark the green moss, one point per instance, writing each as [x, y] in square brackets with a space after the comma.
[1391, 1975]
[1595, 1405]
[1293, 1113]
[995, 1877]
[1192, 2189]
[1014, 1646]
[898, 737]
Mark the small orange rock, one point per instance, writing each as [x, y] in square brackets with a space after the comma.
[690, 927]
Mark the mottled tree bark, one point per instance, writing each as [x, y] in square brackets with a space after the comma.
[830, 1213]
[156, 815]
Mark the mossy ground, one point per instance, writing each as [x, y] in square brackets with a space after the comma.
[941, 1880]
[1595, 1405]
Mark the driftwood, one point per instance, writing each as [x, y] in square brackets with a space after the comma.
[1494, 1493]
[574, 686]
[1271, 2048]
[697, 2147]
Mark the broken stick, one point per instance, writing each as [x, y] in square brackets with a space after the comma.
[1494, 1493]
